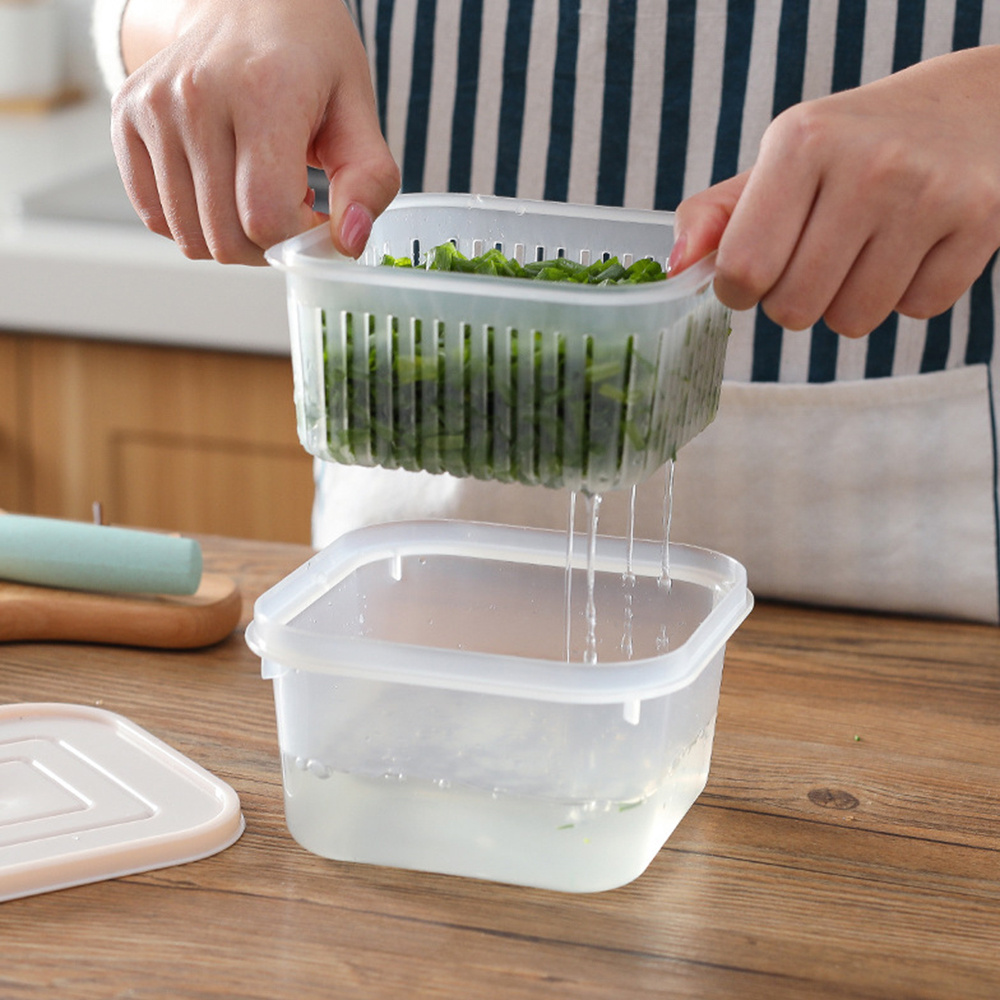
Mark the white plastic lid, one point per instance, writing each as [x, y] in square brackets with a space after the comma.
[87, 795]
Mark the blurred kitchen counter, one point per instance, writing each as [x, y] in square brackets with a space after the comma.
[75, 260]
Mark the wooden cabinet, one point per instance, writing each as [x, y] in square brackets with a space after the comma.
[183, 440]
[13, 480]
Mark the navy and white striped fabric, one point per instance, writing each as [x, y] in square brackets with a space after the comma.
[642, 102]
[849, 472]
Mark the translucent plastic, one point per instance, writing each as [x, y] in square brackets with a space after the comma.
[86, 795]
[429, 717]
[497, 378]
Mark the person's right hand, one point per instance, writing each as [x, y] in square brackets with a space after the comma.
[227, 104]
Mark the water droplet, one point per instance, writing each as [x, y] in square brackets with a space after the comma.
[317, 768]
[593, 510]
[664, 580]
[662, 640]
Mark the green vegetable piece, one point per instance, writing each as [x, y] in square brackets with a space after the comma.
[612, 273]
[644, 269]
[551, 273]
[571, 269]
[447, 257]
[625, 806]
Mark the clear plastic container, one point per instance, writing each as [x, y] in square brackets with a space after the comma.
[575, 386]
[429, 716]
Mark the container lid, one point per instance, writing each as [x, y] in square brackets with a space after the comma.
[87, 795]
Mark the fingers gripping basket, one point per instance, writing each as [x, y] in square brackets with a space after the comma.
[576, 386]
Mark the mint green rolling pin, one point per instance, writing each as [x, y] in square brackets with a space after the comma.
[81, 556]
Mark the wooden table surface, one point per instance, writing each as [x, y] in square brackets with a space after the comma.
[847, 845]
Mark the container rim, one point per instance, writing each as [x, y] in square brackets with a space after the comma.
[283, 647]
[312, 254]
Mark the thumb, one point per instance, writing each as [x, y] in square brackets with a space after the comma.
[357, 197]
[364, 178]
[700, 221]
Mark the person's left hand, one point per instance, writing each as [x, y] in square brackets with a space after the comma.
[880, 198]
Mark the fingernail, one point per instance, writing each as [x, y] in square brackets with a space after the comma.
[677, 254]
[355, 228]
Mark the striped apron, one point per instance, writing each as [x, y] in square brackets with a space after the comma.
[858, 473]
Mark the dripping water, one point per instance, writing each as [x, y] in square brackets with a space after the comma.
[593, 509]
[629, 581]
[569, 574]
[663, 580]
[668, 510]
[628, 577]
[593, 506]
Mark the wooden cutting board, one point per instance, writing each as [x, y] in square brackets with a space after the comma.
[33, 613]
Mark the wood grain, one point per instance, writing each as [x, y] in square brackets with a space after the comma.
[816, 865]
[14, 491]
[147, 620]
[183, 440]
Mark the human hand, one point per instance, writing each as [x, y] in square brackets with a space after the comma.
[880, 198]
[225, 109]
